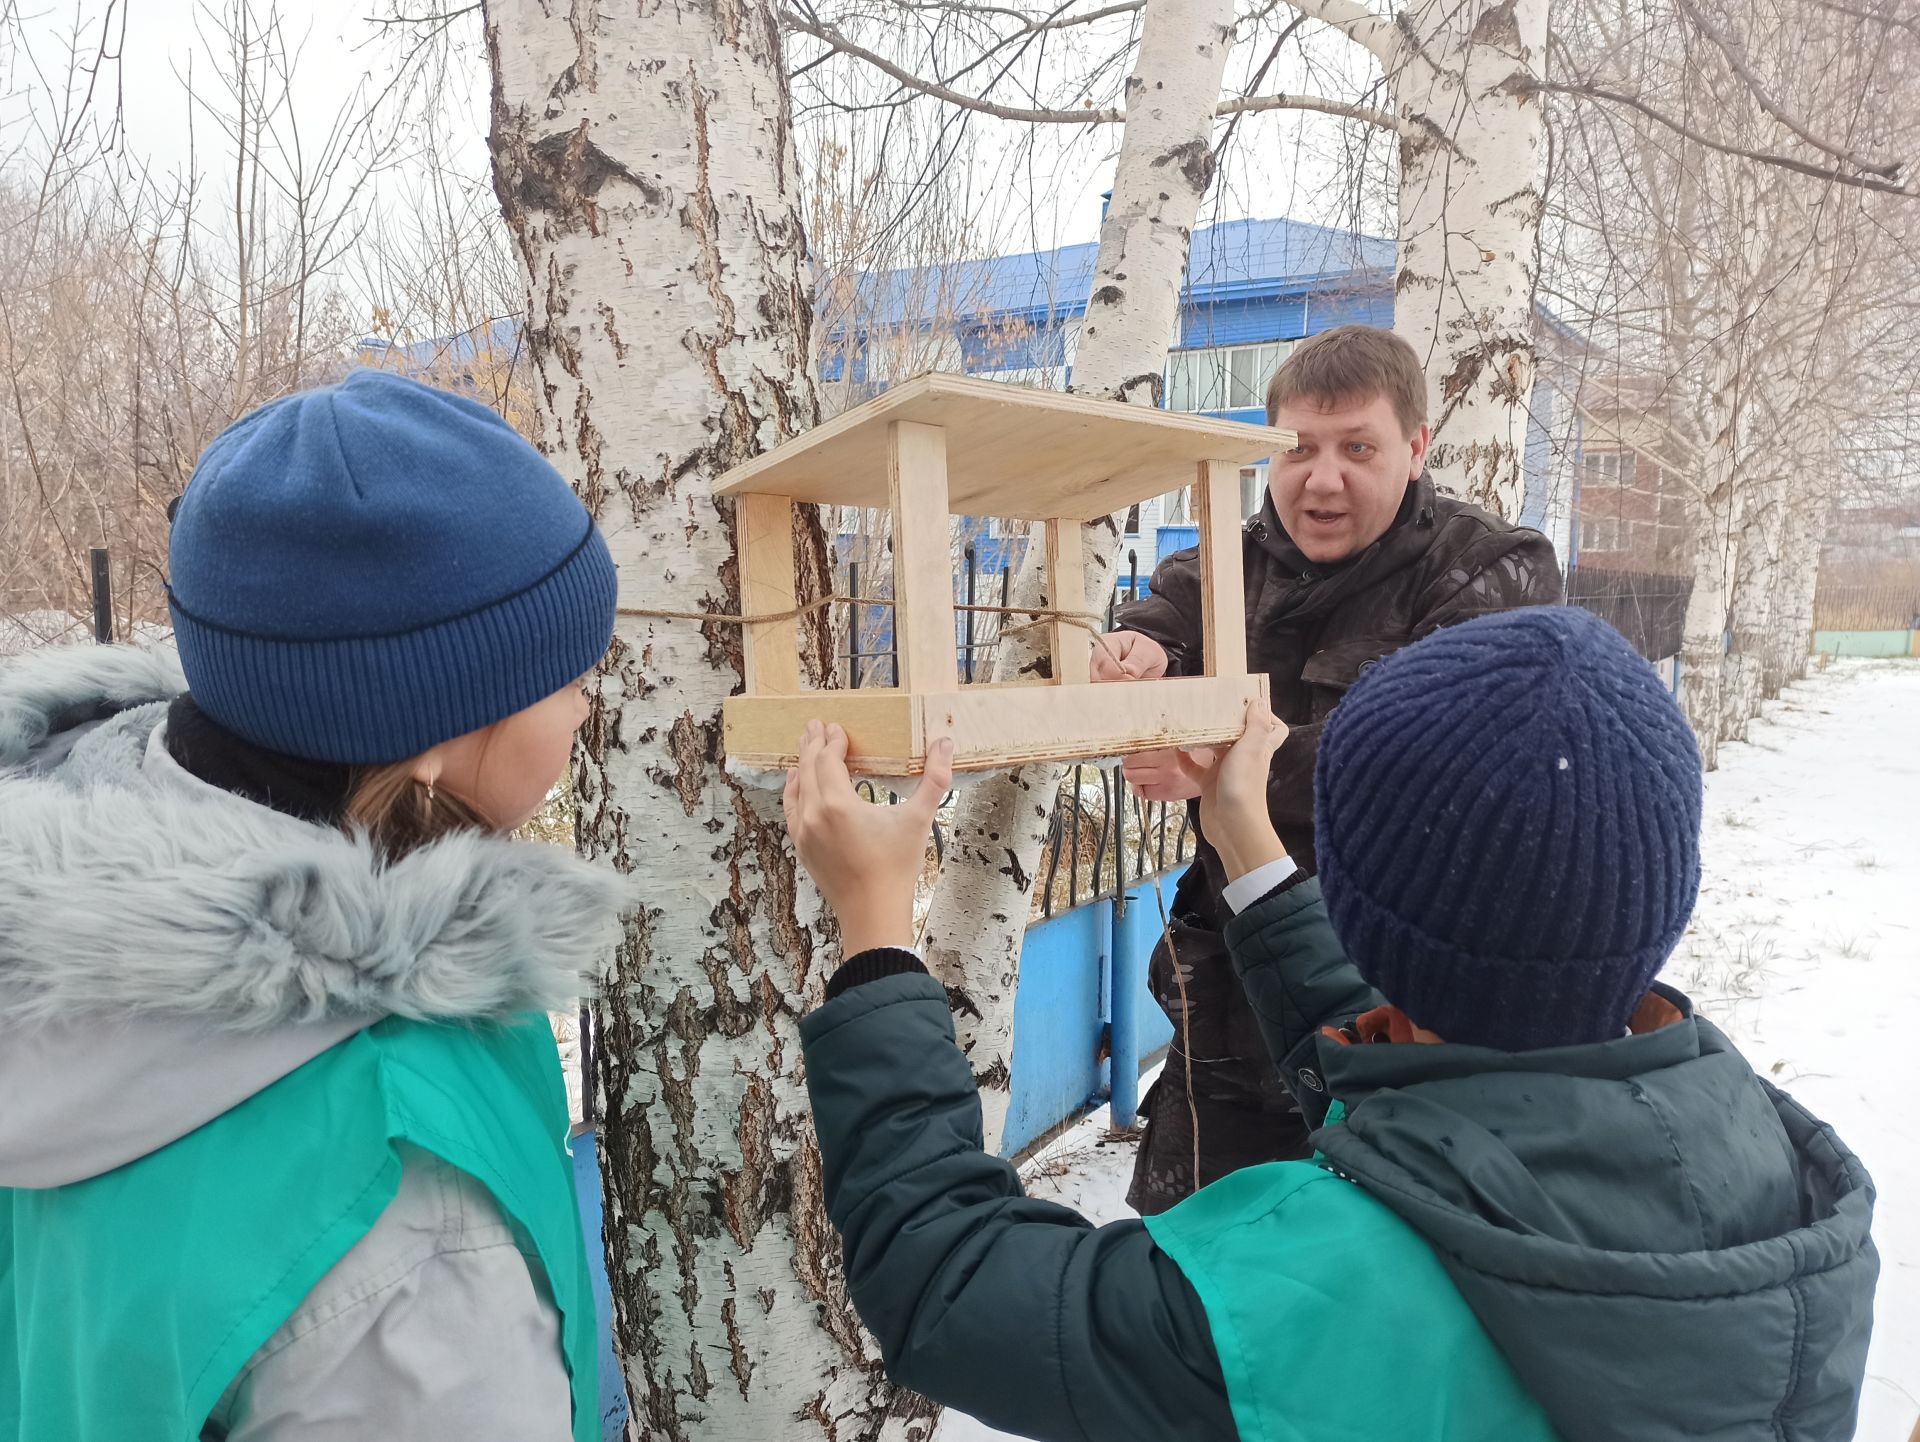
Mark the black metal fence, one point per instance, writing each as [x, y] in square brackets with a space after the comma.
[1101, 838]
[977, 642]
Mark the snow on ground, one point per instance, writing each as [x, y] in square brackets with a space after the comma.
[1805, 948]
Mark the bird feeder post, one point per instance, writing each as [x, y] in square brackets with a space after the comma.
[1066, 574]
[1223, 604]
[764, 539]
[923, 636]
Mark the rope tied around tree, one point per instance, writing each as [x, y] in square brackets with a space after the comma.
[1039, 616]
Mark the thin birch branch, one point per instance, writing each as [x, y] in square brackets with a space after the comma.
[1091, 115]
[1726, 147]
[1735, 51]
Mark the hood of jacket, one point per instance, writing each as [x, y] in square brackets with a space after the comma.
[167, 949]
[1662, 1244]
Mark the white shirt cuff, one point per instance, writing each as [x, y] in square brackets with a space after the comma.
[1243, 891]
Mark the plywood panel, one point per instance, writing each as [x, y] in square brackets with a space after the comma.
[1011, 451]
[1066, 723]
[991, 727]
[764, 535]
[1223, 601]
[1066, 587]
[883, 729]
[923, 636]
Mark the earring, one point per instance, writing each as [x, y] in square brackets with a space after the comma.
[429, 799]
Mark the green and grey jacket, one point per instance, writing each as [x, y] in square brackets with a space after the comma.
[1649, 1240]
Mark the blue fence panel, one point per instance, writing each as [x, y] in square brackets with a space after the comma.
[1083, 976]
[614, 1408]
[1058, 1016]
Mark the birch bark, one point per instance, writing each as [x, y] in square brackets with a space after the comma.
[979, 915]
[644, 162]
[1755, 581]
[1472, 155]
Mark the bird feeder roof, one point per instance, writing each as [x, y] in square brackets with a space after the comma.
[1011, 451]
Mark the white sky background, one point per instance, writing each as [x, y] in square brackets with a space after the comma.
[1020, 186]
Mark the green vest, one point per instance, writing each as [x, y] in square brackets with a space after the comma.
[129, 1301]
[1333, 1319]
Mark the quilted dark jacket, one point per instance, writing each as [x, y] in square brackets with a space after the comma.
[1661, 1244]
[1314, 629]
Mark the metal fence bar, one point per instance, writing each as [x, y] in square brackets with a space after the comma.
[102, 596]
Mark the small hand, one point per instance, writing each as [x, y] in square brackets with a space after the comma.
[1127, 656]
[1232, 786]
[1170, 775]
[865, 859]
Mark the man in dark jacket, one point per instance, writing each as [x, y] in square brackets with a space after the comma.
[1353, 555]
[1550, 1202]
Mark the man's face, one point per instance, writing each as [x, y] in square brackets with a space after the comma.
[1337, 492]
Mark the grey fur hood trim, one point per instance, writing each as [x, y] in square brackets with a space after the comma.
[56, 689]
[126, 889]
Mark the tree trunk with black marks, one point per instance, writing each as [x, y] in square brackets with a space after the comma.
[1716, 527]
[1472, 156]
[1756, 575]
[979, 916]
[645, 166]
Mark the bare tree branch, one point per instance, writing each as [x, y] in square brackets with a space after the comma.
[1735, 51]
[1726, 147]
[1258, 104]
[1027, 23]
[1365, 27]
[1091, 115]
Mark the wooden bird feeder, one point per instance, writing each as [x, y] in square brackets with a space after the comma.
[944, 445]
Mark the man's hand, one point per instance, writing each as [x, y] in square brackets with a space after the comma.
[865, 859]
[1171, 775]
[1128, 656]
[1232, 787]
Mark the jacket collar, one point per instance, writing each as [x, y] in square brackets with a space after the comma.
[1353, 1072]
[128, 887]
[1409, 536]
[1386, 1024]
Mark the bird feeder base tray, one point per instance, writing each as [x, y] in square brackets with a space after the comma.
[992, 727]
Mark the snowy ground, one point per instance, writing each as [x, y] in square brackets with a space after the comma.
[1805, 948]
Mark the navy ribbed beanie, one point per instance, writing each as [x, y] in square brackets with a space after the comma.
[1507, 821]
[363, 571]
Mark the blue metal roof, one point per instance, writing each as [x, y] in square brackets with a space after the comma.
[1235, 260]
[1239, 258]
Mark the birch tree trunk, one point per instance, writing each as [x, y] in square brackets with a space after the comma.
[1716, 529]
[645, 166]
[1471, 163]
[979, 916]
[1790, 631]
[1755, 579]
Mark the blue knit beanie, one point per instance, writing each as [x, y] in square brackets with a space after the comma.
[363, 571]
[1507, 822]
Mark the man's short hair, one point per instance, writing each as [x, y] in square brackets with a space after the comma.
[1351, 364]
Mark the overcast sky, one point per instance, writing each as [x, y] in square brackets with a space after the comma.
[1030, 187]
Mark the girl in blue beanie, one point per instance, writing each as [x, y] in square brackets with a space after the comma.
[1548, 1200]
[283, 1153]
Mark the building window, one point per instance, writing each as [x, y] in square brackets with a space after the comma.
[1604, 533]
[1223, 378]
[1602, 470]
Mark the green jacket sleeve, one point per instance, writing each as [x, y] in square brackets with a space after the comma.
[1019, 1312]
[1298, 980]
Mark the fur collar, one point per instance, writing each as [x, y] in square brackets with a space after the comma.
[128, 888]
